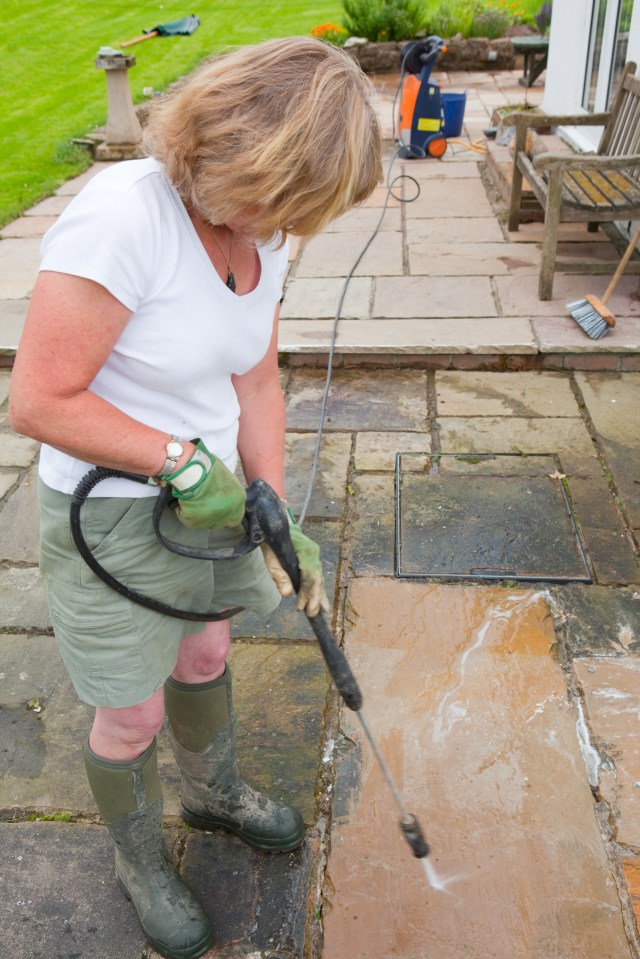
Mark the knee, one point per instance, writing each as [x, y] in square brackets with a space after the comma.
[125, 733]
[202, 657]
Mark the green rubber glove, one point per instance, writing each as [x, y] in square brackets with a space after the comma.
[209, 495]
[312, 596]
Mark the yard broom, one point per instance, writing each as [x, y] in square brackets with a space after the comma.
[591, 313]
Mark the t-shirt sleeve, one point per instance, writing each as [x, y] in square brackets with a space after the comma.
[103, 235]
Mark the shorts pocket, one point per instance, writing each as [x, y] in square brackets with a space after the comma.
[104, 520]
[96, 633]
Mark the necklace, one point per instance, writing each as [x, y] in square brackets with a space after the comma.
[231, 280]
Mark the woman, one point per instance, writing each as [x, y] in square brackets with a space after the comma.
[151, 346]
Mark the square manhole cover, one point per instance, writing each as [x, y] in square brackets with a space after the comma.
[487, 516]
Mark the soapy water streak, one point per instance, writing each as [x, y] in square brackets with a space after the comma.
[501, 612]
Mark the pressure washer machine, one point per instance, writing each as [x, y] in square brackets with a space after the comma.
[421, 121]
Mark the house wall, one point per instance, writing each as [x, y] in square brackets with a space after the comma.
[568, 51]
[568, 54]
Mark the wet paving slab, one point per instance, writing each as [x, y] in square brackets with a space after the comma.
[44, 727]
[58, 894]
[471, 711]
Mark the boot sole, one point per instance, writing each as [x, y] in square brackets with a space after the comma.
[192, 952]
[209, 823]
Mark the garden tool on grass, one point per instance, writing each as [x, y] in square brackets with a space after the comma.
[183, 28]
[265, 521]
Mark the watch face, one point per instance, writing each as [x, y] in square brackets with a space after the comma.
[174, 449]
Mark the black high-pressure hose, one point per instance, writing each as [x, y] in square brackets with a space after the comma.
[265, 521]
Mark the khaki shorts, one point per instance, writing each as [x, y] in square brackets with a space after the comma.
[117, 652]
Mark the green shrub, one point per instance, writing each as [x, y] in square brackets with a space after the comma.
[491, 24]
[380, 20]
[454, 16]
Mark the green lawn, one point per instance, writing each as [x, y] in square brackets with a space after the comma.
[51, 90]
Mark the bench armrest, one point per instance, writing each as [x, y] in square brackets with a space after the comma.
[562, 161]
[522, 119]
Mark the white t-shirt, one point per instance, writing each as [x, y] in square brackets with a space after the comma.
[172, 365]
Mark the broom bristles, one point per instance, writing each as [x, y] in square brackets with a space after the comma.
[592, 316]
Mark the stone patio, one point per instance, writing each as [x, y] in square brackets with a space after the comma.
[507, 712]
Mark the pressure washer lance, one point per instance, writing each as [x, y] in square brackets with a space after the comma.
[265, 521]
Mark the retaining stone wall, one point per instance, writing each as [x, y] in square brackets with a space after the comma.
[476, 53]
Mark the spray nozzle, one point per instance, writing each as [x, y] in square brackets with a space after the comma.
[414, 835]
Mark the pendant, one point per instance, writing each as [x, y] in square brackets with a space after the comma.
[231, 282]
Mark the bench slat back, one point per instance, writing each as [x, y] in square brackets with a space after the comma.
[621, 135]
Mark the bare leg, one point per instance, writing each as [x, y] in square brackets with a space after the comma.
[202, 655]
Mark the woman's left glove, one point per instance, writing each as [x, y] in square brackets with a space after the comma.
[312, 596]
[208, 494]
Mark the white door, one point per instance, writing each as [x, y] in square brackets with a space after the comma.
[608, 46]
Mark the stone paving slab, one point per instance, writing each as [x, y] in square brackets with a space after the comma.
[314, 298]
[567, 437]
[473, 259]
[562, 334]
[599, 621]
[470, 708]
[19, 262]
[610, 687]
[614, 409]
[468, 198]
[331, 254]
[327, 498]
[430, 169]
[455, 230]
[28, 226]
[41, 761]
[373, 526]
[518, 295]
[59, 897]
[356, 402]
[12, 317]
[426, 336]
[19, 529]
[502, 394]
[613, 554]
[52, 206]
[71, 187]
[217, 867]
[7, 480]
[366, 219]
[437, 297]
[377, 451]
[23, 598]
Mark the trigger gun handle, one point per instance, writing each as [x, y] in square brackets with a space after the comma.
[269, 523]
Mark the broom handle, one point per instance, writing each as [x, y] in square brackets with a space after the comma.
[623, 262]
[145, 36]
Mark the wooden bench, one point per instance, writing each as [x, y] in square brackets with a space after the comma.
[591, 188]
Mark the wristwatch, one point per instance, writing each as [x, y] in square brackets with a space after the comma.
[174, 449]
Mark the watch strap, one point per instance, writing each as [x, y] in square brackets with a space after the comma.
[170, 462]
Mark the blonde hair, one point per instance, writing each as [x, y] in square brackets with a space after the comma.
[287, 125]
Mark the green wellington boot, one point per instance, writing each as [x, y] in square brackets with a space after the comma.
[203, 736]
[130, 802]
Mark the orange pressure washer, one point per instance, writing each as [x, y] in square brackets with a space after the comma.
[421, 123]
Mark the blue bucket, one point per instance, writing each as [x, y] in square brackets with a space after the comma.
[453, 105]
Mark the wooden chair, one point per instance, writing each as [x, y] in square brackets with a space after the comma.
[592, 188]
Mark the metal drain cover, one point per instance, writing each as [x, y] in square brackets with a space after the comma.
[486, 516]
